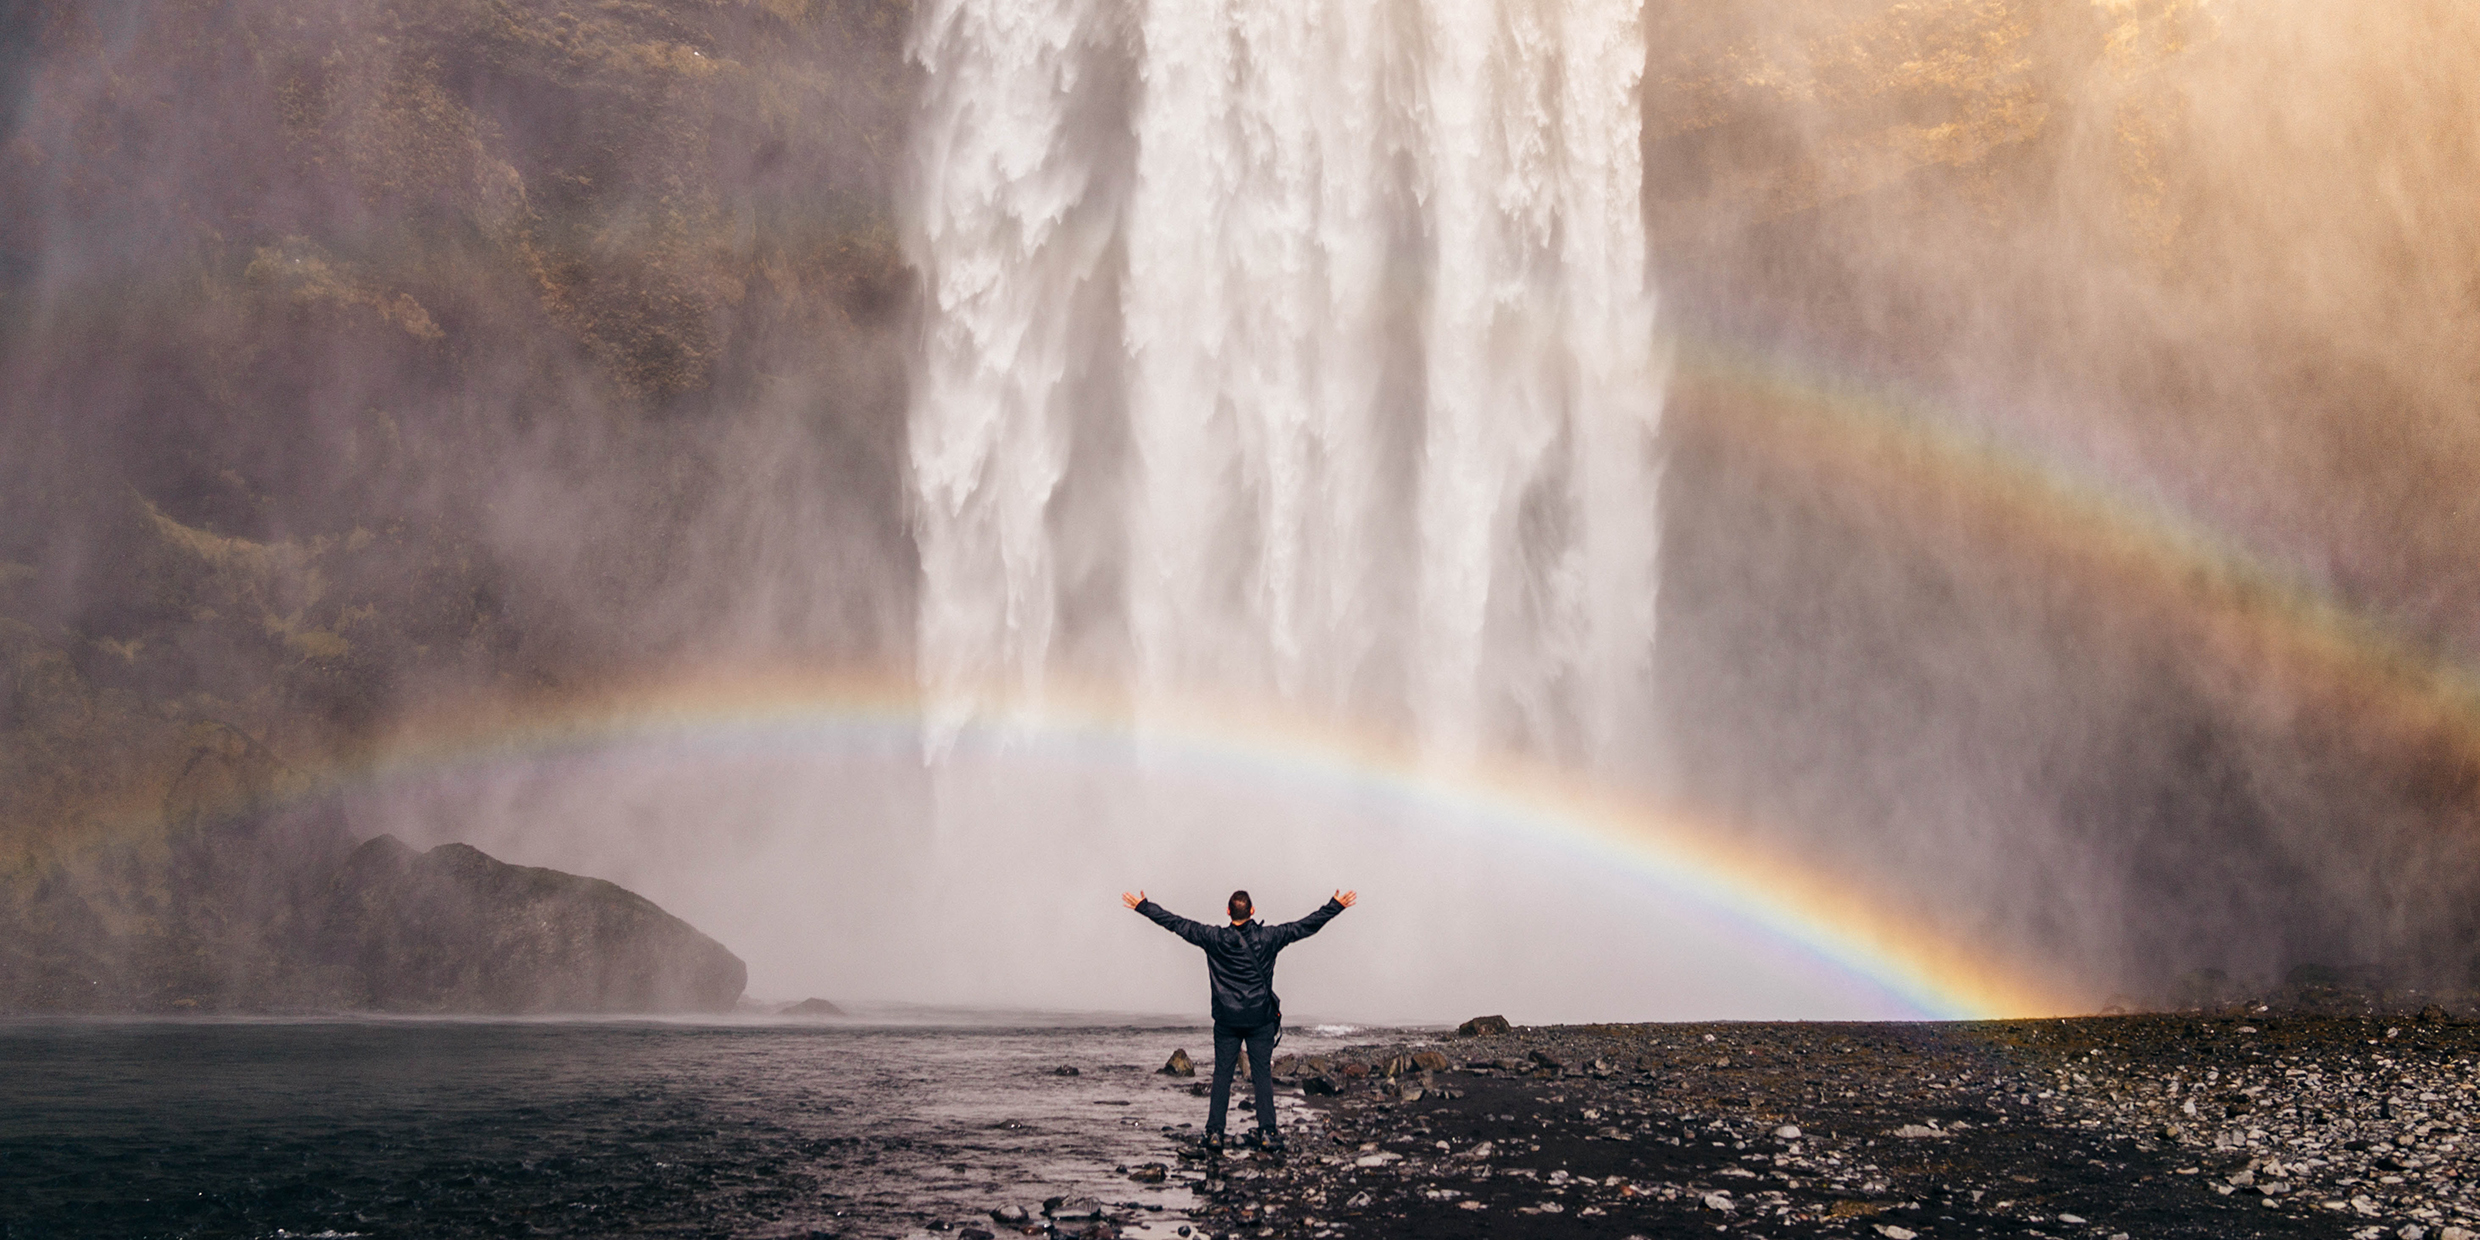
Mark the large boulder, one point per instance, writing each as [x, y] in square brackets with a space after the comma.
[287, 914]
[453, 929]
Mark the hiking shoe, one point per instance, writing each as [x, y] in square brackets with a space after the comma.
[1267, 1139]
[1214, 1143]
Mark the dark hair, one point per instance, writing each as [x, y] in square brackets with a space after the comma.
[1240, 906]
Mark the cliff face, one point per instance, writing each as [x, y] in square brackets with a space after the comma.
[2214, 260]
[362, 351]
[2062, 531]
[279, 913]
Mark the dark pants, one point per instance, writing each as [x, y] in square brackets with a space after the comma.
[1227, 1042]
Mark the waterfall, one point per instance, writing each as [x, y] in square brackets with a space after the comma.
[1376, 437]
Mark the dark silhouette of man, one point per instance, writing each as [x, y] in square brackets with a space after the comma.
[1240, 971]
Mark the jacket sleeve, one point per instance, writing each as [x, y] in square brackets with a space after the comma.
[1194, 932]
[1294, 931]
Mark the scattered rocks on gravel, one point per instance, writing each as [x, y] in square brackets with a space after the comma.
[2301, 1126]
[2246, 1122]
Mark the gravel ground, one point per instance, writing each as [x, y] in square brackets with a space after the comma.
[2238, 1124]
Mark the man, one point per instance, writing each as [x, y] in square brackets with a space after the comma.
[1240, 971]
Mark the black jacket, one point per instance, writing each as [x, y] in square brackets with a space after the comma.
[1240, 959]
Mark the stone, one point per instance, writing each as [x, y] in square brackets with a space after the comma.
[1788, 1132]
[1178, 1065]
[1013, 1216]
[1065, 1070]
[974, 1233]
[1429, 1061]
[1150, 1173]
[811, 1007]
[1380, 1159]
[1320, 1086]
[1072, 1208]
[1482, 1026]
[1892, 1232]
[1917, 1132]
[1720, 1201]
[286, 912]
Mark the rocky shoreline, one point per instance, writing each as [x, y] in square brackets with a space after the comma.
[2235, 1124]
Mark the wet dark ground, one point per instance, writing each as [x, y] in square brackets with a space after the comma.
[566, 1128]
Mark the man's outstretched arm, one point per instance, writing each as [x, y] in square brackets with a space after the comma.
[1294, 931]
[1194, 932]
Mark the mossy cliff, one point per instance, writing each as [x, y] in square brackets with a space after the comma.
[326, 327]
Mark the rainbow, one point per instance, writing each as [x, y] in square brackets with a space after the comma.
[1867, 458]
[2251, 632]
[1778, 899]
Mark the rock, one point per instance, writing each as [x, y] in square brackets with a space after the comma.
[1380, 1159]
[1788, 1132]
[1720, 1201]
[284, 912]
[1178, 1065]
[1429, 1061]
[1150, 1173]
[974, 1233]
[2072, 1219]
[811, 1007]
[1013, 1216]
[1916, 1132]
[2432, 1015]
[1070, 1208]
[1320, 1086]
[1482, 1026]
[1065, 1070]
[1892, 1232]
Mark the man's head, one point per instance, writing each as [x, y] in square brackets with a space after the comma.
[1240, 907]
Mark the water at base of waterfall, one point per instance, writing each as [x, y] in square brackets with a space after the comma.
[386, 1127]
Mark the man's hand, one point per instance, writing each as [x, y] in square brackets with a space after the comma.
[1132, 900]
[1344, 898]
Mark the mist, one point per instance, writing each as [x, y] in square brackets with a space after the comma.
[2083, 572]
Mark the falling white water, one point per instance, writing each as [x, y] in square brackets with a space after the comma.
[1001, 231]
[1387, 355]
